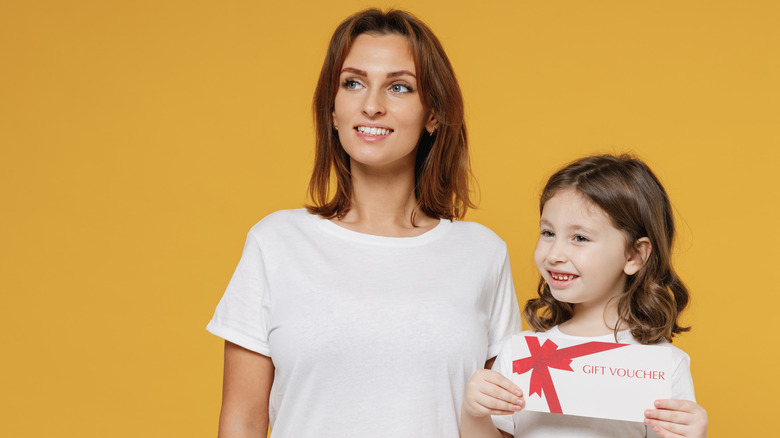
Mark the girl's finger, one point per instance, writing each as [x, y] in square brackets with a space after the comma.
[497, 407]
[665, 433]
[513, 404]
[680, 417]
[499, 380]
[677, 405]
[671, 417]
[671, 427]
[500, 393]
[489, 382]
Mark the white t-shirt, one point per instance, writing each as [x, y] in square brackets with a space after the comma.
[370, 336]
[530, 424]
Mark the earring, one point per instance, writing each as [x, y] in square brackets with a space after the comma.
[335, 125]
[432, 131]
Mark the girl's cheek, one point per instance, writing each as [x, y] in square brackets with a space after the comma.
[539, 256]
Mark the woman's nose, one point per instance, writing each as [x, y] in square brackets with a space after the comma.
[373, 103]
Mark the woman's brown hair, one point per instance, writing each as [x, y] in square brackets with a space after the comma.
[636, 202]
[442, 169]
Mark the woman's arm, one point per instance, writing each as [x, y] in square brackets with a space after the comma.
[246, 388]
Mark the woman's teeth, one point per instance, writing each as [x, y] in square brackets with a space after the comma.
[365, 130]
[562, 276]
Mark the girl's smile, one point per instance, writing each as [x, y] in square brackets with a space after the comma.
[562, 279]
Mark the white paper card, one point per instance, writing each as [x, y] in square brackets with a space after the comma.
[590, 379]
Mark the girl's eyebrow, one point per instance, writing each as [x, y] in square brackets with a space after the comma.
[577, 227]
[363, 73]
[571, 228]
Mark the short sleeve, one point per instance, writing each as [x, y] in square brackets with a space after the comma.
[241, 314]
[682, 381]
[505, 312]
[503, 365]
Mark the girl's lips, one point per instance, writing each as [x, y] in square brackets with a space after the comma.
[562, 275]
[561, 279]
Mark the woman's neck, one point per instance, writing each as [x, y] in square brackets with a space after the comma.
[383, 203]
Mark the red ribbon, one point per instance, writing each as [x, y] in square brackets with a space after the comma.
[549, 356]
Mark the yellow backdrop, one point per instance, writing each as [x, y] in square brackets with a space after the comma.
[141, 139]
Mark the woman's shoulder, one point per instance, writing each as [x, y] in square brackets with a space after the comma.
[281, 220]
[477, 232]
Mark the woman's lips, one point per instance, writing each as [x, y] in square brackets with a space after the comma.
[372, 133]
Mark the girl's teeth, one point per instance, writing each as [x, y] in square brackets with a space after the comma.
[365, 130]
[562, 277]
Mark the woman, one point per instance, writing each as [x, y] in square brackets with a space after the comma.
[366, 314]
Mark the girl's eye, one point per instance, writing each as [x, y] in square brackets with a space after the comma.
[547, 233]
[351, 84]
[400, 88]
[579, 238]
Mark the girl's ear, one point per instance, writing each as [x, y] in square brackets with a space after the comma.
[431, 124]
[639, 254]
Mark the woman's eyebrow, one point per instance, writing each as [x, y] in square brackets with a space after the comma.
[393, 74]
[354, 70]
[401, 73]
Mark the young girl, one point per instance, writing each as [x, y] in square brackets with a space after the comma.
[604, 254]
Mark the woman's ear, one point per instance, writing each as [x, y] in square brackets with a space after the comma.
[640, 252]
[431, 124]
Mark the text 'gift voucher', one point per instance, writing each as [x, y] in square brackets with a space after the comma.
[590, 379]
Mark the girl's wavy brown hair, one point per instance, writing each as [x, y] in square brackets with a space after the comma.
[442, 169]
[636, 202]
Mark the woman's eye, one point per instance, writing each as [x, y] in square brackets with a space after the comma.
[547, 233]
[400, 88]
[351, 84]
[579, 238]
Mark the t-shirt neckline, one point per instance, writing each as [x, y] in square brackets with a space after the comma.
[356, 236]
[622, 335]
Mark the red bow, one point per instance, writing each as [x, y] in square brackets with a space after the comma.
[549, 356]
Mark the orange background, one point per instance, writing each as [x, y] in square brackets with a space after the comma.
[140, 140]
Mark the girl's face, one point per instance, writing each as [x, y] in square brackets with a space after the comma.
[378, 110]
[580, 254]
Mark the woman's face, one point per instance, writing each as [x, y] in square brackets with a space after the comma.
[378, 111]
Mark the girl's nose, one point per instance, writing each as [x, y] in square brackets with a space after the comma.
[557, 253]
[373, 103]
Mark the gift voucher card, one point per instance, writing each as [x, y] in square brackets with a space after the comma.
[590, 379]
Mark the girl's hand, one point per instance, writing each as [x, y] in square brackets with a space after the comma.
[677, 418]
[490, 393]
